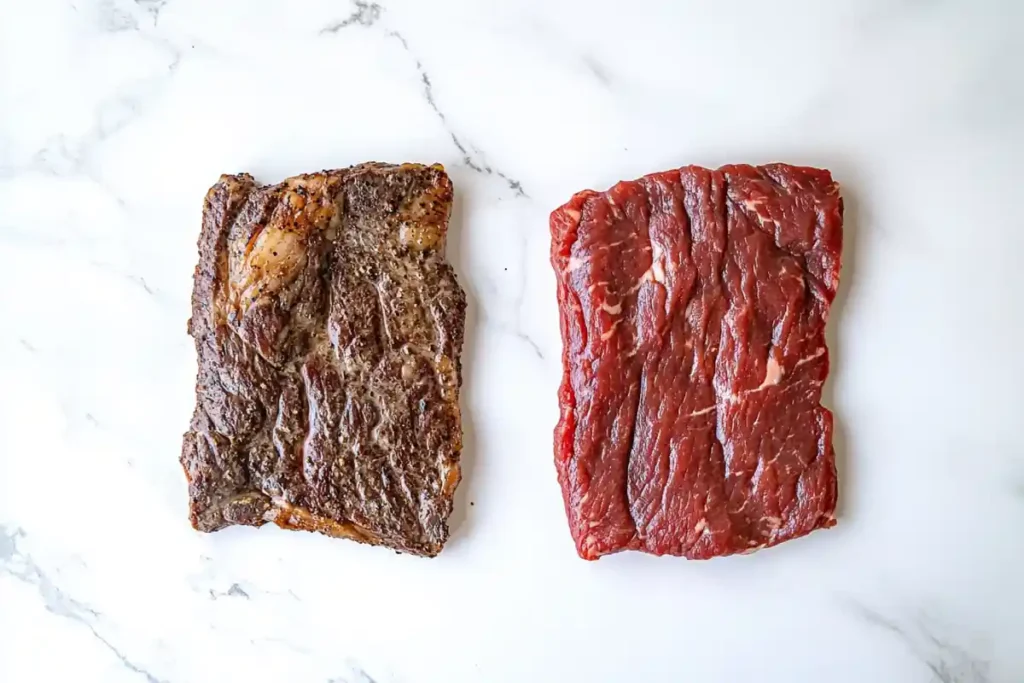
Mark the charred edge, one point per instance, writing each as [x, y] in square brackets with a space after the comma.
[458, 341]
[392, 479]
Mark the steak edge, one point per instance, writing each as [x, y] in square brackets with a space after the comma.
[693, 306]
[328, 329]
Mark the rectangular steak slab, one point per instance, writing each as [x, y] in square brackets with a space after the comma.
[328, 328]
[693, 305]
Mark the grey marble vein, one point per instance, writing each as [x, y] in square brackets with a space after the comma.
[113, 19]
[472, 160]
[520, 299]
[234, 591]
[514, 331]
[565, 47]
[948, 662]
[125, 662]
[369, 14]
[528, 340]
[72, 156]
[133, 279]
[364, 14]
[153, 8]
[597, 69]
[355, 675]
[8, 542]
[21, 566]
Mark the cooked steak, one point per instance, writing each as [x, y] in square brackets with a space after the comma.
[693, 306]
[328, 328]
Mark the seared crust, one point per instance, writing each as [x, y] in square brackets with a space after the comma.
[328, 328]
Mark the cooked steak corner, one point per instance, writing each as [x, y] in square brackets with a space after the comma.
[328, 329]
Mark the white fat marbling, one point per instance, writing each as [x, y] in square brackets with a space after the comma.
[115, 117]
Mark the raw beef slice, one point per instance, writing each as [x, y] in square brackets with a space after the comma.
[693, 305]
[328, 328]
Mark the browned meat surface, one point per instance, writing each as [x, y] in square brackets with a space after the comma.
[328, 329]
[693, 305]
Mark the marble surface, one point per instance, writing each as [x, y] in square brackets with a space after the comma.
[115, 117]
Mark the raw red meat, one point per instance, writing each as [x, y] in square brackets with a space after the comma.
[693, 305]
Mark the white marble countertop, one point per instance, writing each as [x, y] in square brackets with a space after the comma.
[115, 117]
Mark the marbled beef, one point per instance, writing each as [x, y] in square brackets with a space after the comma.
[693, 305]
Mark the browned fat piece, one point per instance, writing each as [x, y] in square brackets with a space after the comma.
[328, 328]
[693, 305]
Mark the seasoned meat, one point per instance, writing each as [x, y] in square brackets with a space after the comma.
[328, 329]
[693, 305]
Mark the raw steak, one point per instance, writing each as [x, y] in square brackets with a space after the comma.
[328, 328]
[693, 305]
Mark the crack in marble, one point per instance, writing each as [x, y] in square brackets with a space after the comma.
[521, 336]
[948, 662]
[365, 14]
[471, 159]
[125, 662]
[369, 14]
[527, 339]
[22, 567]
[520, 299]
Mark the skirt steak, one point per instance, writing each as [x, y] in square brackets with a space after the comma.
[693, 306]
[328, 328]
